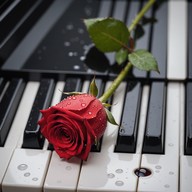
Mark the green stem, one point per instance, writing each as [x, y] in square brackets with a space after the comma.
[115, 83]
[107, 94]
[141, 14]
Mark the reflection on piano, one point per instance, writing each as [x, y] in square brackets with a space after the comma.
[42, 50]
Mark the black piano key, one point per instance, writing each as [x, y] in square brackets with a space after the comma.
[188, 122]
[159, 39]
[155, 122]
[127, 136]
[32, 137]
[72, 84]
[8, 106]
[189, 40]
[66, 41]
[2, 85]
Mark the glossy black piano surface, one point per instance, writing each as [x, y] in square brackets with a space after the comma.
[45, 42]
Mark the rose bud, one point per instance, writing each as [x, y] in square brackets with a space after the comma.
[73, 125]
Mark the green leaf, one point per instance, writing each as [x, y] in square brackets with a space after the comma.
[93, 88]
[108, 34]
[143, 60]
[110, 117]
[121, 56]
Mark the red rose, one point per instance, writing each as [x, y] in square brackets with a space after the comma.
[72, 125]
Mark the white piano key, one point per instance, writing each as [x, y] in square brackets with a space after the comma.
[5, 155]
[177, 40]
[165, 168]
[185, 160]
[22, 114]
[17, 126]
[63, 175]
[28, 167]
[109, 171]
[26, 171]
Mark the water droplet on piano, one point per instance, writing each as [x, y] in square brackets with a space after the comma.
[171, 173]
[119, 171]
[82, 58]
[22, 167]
[122, 131]
[68, 168]
[67, 44]
[76, 67]
[166, 186]
[142, 172]
[119, 183]
[158, 167]
[88, 11]
[27, 174]
[170, 144]
[35, 179]
[69, 27]
[80, 31]
[110, 175]
[70, 54]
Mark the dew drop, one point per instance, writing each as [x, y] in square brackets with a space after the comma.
[89, 112]
[83, 104]
[119, 183]
[69, 27]
[166, 186]
[76, 67]
[74, 98]
[69, 103]
[68, 168]
[80, 31]
[122, 131]
[110, 175]
[170, 144]
[67, 44]
[158, 167]
[171, 173]
[82, 58]
[27, 174]
[119, 171]
[35, 179]
[22, 167]
[70, 54]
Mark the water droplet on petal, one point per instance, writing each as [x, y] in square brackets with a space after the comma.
[83, 104]
[74, 98]
[89, 112]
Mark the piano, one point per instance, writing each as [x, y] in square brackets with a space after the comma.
[45, 49]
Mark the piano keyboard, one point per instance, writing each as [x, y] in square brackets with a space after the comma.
[151, 149]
